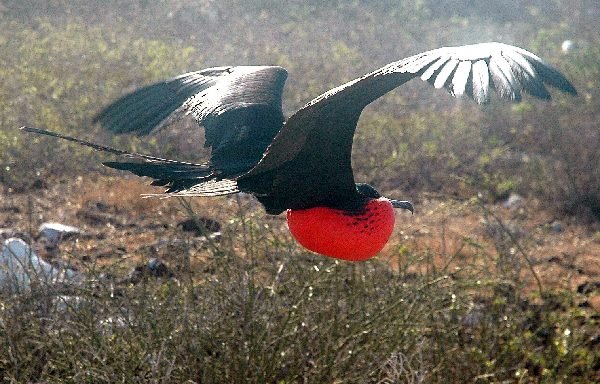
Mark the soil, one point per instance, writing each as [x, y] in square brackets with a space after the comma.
[120, 227]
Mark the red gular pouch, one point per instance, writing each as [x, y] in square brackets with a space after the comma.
[353, 236]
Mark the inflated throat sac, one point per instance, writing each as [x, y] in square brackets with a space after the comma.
[340, 234]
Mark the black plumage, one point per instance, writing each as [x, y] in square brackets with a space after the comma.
[305, 161]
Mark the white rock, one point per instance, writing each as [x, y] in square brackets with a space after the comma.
[55, 232]
[20, 267]
[514, 201]
[568, 46]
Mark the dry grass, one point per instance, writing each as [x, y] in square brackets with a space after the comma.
[255, 307]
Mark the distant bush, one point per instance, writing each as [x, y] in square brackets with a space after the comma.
[57, 77]
[561, 140]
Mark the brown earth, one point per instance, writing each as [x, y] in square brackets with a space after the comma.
[122, 228]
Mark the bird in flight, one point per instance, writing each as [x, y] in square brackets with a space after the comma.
[302, 164]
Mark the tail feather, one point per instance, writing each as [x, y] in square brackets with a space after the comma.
[175, 176]
[99, 147]
[180, 178]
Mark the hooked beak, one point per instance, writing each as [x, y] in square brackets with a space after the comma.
[403, 204]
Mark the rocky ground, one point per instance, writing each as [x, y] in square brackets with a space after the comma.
[120, 229]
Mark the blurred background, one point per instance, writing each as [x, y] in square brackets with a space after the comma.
[63, 61]
[494, 279]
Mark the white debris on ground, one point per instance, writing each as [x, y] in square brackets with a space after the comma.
[568, 46]
[55, 232]
[513, 202]
[20, 267]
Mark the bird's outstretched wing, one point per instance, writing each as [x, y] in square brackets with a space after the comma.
[311, 155]
[239, 108]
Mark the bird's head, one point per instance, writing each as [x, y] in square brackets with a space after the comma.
[369, 192]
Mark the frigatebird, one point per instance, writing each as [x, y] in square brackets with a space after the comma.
[302, 164]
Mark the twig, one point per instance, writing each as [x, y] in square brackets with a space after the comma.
[516, 243]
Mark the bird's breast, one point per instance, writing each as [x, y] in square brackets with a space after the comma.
[341, 234]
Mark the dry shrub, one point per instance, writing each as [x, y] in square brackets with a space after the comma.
[261, 310]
